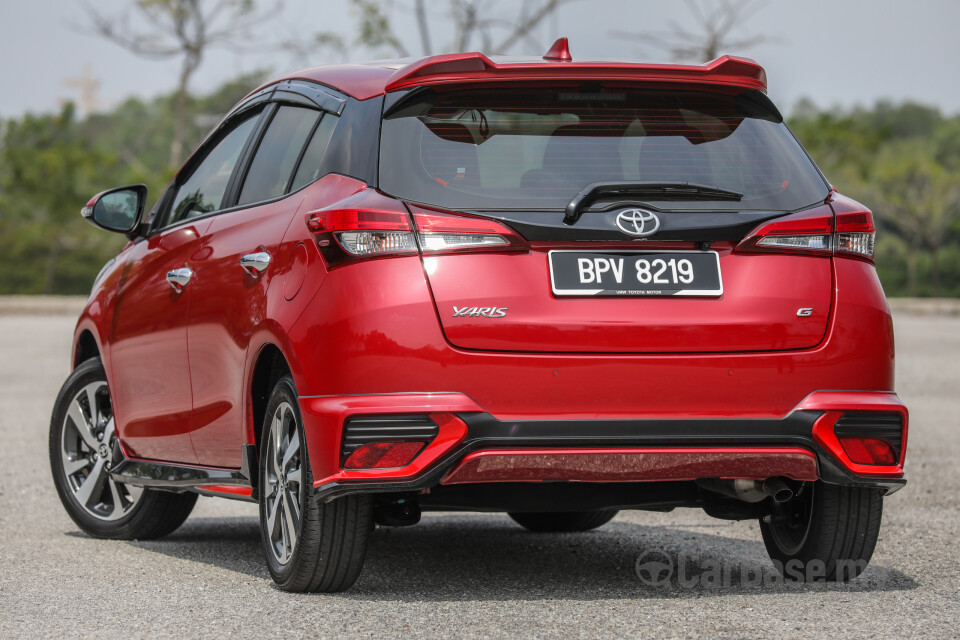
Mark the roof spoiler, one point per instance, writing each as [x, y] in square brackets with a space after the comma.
[461, 67]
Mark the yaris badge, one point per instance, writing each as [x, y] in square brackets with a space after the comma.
[479, 312]
[638, 222]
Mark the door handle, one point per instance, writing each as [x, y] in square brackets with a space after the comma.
[179, 278]
[255, 263]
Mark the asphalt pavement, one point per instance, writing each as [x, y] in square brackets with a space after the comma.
[473, 575]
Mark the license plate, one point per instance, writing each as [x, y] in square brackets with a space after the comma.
[635, 273]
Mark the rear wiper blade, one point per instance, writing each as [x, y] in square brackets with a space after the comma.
[597, 190]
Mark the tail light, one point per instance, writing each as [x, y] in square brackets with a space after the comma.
[841, 226]
[365, 225]
[371, 225]
[807, 232]
[855, 230]
[447, 232]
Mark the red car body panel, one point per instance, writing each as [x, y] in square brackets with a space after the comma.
[377, 336]
[757, 312]
[516, 386]
[152, 399]
[227, 306]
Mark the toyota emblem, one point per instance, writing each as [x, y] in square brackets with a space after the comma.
[638, 222]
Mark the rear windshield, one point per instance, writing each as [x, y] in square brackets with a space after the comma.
[536, 147]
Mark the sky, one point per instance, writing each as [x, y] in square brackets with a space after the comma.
[835, 52]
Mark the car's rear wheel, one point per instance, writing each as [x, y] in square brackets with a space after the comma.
[83, 447]
[564, 521]
[825, 533]
[309, 546]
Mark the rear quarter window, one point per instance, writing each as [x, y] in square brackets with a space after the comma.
[311, 165]
[277, 155]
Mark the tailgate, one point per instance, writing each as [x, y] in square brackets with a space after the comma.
[505, 302]
[629, 201]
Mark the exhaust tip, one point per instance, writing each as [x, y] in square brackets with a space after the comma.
[783, 495]
[749, 490]
[778, 490]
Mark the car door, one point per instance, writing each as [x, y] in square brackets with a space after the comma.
[241, 251]
[151, 374]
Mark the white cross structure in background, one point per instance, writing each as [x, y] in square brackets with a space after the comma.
[89, 87]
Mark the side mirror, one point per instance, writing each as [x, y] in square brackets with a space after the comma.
[117, 210]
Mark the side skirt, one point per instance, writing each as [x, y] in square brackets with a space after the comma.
[236, 484]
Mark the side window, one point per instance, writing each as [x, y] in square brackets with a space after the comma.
[277, 154]
[203, 191]
[312, 163]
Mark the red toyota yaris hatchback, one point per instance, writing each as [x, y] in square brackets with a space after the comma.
[546, 287]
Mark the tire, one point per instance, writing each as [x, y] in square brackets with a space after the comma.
[329, 545]
[826, 533]
[83, 447]
[563, 522]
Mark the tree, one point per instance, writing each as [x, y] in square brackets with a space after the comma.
[920, 200]
[183, 29]
[50, 165]
[712, 35]
[47, 172]
[471, 22]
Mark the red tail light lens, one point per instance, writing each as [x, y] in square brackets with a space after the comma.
[447, 232]
[365, 225]
[842, 226]
[869, 451]
[855, 230]
[806, 232]
[383, 455]
[371, 225]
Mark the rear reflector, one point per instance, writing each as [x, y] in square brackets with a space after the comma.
[360, 431]
[869, 451]
[383, 455]
[871, 438]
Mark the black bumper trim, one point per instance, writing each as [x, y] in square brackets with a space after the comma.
[486, 432]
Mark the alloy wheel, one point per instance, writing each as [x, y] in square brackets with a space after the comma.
[284, 489]
[87, 443]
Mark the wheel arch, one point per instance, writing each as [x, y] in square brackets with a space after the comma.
[85, 347]
[270, 365]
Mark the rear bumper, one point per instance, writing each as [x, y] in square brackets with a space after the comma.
[473, 446]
